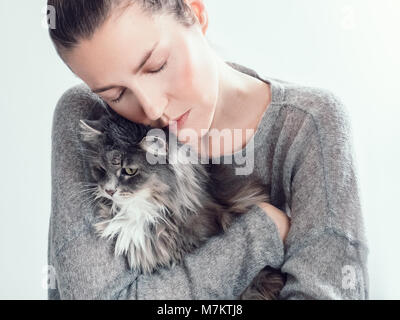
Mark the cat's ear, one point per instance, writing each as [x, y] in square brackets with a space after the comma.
[154, 144]
[90, 130]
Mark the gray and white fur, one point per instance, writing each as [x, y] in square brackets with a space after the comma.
[157, 213]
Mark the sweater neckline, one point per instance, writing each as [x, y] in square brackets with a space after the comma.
[277, 93]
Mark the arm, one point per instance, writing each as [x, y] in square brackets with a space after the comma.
[85, 266]
[279, 217]
[326, 249]
[223, 267]
[81, 263]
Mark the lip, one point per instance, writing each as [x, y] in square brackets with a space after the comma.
[180, 121]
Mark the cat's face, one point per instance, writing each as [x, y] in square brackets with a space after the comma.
[117, 152]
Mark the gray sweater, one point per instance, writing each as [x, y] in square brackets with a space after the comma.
[303, 153]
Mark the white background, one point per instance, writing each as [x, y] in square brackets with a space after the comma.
[349, 47]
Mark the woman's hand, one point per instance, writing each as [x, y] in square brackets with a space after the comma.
[280, 218]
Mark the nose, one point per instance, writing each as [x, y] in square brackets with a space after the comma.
[152, 111]
[163, 121]
[110, 192]
[152, 103]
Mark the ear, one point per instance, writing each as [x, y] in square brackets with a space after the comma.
[155, 145]
[200, 12]
[90, 130]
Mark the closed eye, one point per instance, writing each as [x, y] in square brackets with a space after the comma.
[159, 70]
[151, 72]
[119, 98]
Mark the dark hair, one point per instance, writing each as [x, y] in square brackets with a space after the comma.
[79, 19]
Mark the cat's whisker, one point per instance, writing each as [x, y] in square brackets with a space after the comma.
[89, 157]
[81, 196]
[87, 184]
[84, 190]
[72, 140]
[126, 194]
[94, 197]
[91, 203]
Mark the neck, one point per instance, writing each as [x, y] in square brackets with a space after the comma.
[242, 100]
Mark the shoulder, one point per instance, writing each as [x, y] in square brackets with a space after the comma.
[323, 106]
[77, 102]
[309, 118]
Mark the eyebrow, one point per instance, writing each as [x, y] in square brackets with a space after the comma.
[137, 69]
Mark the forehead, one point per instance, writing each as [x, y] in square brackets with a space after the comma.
[116, 45]
[117, 157]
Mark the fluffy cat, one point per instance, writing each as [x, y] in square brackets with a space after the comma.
[157, 213]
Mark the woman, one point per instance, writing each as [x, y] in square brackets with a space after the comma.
[150, 62]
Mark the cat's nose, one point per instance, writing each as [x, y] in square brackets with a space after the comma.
[110, 192]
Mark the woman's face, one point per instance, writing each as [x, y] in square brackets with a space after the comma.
[179, 75]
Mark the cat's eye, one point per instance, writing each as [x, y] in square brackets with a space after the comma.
[129, 171]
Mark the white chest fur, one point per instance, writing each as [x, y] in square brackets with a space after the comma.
[130, 222]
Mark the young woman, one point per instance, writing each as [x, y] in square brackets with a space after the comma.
[151, 63]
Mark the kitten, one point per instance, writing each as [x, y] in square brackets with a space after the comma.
[158, 212]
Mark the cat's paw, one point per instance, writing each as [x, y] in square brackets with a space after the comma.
[265, 286]
[104, 211]
[99, 227]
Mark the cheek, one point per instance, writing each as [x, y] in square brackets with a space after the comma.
[192, 83]
[182, 76]
[184, 70]
[188, 73]
[200, 76]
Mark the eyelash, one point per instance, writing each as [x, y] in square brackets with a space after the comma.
[151, 72]
[159, 70]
